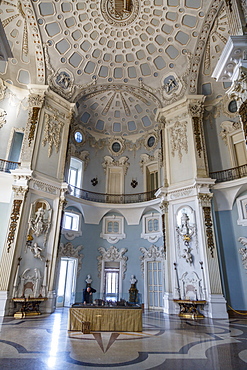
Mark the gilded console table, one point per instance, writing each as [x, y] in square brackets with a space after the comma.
[29, 307]
[189, 308]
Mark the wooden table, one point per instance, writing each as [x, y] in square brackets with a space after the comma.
[106, 318]
[189, 308]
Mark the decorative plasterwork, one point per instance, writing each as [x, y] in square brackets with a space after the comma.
[238, 90]
[196, 110]
[112, 254]
[209, 229]
[82, 155]
[186, 231]
[199, 51]
[3, 114]
[178, 136]
[164, 206]
[242, 210]
[243, 251]
[121, 13]
[15, 215]
[121, 146]
[113, 237]
[71, 234]
[154, 235]
[244, 8]
[232, 59]
[42, 186]
[19, 17]
[147, 136]
[2, 89]
[146, 159]
[30, 283]
[52, 133]
[111, 162]
[33, 120]
[229, 127]
[40, 219]
[191, 286]
[68, 250]
[152, 254]
[205, 199]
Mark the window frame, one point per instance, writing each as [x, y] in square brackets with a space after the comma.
[71, 234]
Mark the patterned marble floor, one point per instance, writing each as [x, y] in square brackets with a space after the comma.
[166, 342]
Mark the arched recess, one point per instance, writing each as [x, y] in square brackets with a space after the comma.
[152, 267]
[113, 260]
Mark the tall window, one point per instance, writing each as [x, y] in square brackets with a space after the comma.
[75, 172]
[152, 178]
[71, 221]
[15, 149]
[111, 281]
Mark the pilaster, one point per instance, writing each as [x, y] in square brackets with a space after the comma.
[184, 139]
[35, 101]
[192, 261]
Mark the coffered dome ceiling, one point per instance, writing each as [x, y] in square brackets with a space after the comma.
[119, 60]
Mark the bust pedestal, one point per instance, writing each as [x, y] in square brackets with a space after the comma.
[133, 294]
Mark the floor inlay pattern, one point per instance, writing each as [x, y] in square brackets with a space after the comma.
[166, 342]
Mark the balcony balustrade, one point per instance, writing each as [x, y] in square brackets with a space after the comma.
[112, 198]
[230, 174]
[6, 166]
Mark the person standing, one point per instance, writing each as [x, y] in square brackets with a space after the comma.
[88, 295]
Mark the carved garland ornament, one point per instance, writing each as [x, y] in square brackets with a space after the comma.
[243, 251]
[33, 114]
[35, 103]
[209, 230]
[112, 254]
[196, 111]
[178, 135]
[68, 250]
[14, 220]
[3, 114]
[52, 133]
[110, 162]
[153, 253]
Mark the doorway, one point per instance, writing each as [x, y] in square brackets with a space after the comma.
[67, 282]
[155, 287]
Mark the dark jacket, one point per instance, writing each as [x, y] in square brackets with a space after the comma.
[87, 296]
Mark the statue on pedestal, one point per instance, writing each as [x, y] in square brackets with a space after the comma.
[133, 291]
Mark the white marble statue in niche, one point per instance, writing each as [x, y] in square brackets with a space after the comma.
[40, 219]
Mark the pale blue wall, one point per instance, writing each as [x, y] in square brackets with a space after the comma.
[233, 272]
[91, 241]
[95, 168]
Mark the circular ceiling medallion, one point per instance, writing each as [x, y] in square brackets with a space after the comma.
[119, 12]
